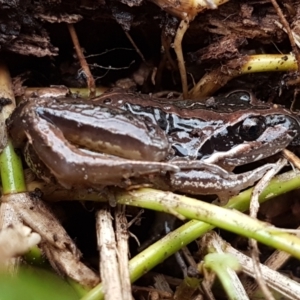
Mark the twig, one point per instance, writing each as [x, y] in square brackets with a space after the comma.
[288, 30]
[218, 77]
[257, 270]
[291, 157]
[182, 28]
[288, 288]
[82, 61]
[165, 58]
[166, 43]
[254, 206]
[274, 262]
[135, 46]
[123, 251]
[109, 266]
[107, 51]
[112, 68]
[262, 184]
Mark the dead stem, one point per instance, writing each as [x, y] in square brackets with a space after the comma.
[257, 270]
[254, 206]
[166, 44]
[166, 58]
[288, 30]
[82, 61]
[218, 77]
[211, 82]
[123, 251]
[292, 158]
[109, 265]
[182, 28]
[279, 283]
[274, 262]
[135, 46]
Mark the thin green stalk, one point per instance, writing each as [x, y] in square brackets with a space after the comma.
[222, 264]
[11, 171]
[228, 219]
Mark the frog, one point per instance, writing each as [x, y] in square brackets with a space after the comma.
[121, 138]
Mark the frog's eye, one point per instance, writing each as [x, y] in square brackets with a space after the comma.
[107, 101]
[252, 128]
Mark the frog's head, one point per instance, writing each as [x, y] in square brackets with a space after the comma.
[252, 136]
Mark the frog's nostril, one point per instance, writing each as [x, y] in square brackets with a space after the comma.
[107, 101]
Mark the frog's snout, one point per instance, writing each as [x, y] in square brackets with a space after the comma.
[294, 130]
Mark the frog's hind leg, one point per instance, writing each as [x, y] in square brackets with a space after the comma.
[73, 167]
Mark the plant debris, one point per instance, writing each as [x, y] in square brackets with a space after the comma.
[154, 47]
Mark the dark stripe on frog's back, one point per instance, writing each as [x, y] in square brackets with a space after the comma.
[186, 109]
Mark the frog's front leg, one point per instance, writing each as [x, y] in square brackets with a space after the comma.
[211, 179]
